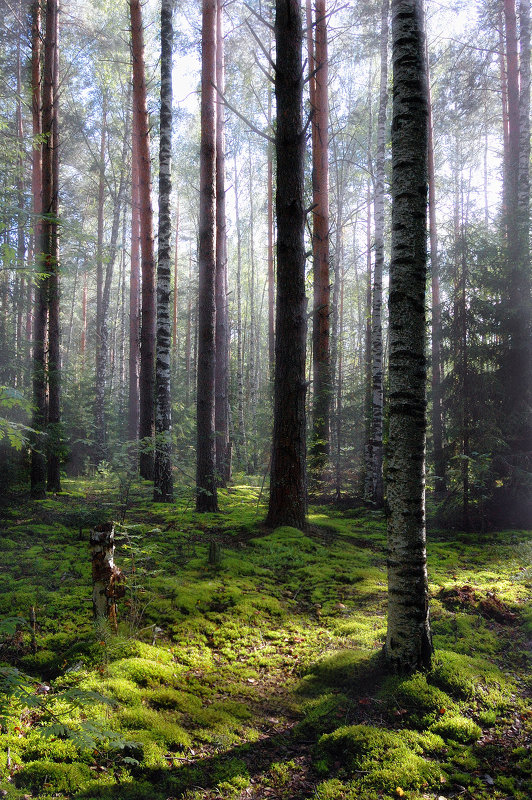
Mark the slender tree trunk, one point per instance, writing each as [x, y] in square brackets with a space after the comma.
[51, 129]
[241, 444]
[322, 393]
[175, 333]
[206, 495]
[222, 314]
[134, 292]
[188, 335]
[408, 641]
[83, 343]
[368, 478]
[377, 399]
[21, 349]
[271, 258]
[253, 329]
[436, 334]
[287, 504]
[163, 488]
[99, 388]
[148, 315]
[38, 459]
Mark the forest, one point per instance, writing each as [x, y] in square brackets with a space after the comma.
[265, 400]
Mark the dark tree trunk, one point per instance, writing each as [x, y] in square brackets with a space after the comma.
[147, 332]
[408, 641]
[134, 293]
[287, 504]
[322, 390]
[38, 459]
[54, 355]
[222, 315]
[163, 483]
[206, 495]
[99, 388]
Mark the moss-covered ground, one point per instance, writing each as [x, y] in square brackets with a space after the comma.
[260, 677]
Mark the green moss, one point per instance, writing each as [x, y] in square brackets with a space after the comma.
[48, 777]
[231, 775]
[323, 713]
[333, 789]
[162, 729]
[142, 671]
[382, 754]
[458, 728]
[173, 699]
[416, 699]
[469, 677]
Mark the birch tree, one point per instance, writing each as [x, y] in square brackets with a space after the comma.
[163, 482]
[408, 640]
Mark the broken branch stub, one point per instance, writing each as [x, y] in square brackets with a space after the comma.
[107, 578]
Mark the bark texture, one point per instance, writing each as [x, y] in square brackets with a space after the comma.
[322, 389]
[376, 482]
[408, 641]
[38, 458]
[148, 310]
[222, 311]
[107, 578]
[163, 482]
[134, 293]
[287, 502]
[206, 495]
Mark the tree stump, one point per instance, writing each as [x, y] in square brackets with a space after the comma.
[107, 579]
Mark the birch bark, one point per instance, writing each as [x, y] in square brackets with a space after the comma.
[408, 641]
[163, 482]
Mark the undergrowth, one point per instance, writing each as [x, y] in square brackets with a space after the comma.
[262, 675]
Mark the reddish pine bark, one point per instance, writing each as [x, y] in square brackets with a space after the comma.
[134, 299]
[206, 495]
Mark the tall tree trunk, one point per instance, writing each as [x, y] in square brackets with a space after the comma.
[38, 458]
[134, 292]
[408, 640]
[99, 388]
[271, 259]
[188, 334]
[147, 332]
[253, 330]
[206, 495]
[21, 350]
[322, 389]
[377, 393]
[222, 314]
[436, 334]
[241, 442]
[368, 478]
[163, 488]
[175, 316]
[51, 149]
[287, 503]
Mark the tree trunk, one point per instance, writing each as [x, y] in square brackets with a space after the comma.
[322, 389]
[377, 394]
[287, 503]
[436, 334]
[222, 315]
[134, 292]
[253, 331]
[38, 459]
[408, 641]
[241, 440]
[206, 495]
[54, 354]
[99, 388]
[163, 483]
[147, 333]
[271, 260]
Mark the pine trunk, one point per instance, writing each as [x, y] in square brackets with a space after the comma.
[148, 310]
[408, 641]
[206, 495]
[287, 503]
[134, 293]
[163, 483]
[222, 314]
[322, 390]
[38, 459]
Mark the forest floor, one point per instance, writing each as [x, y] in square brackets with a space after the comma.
[259, 677]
